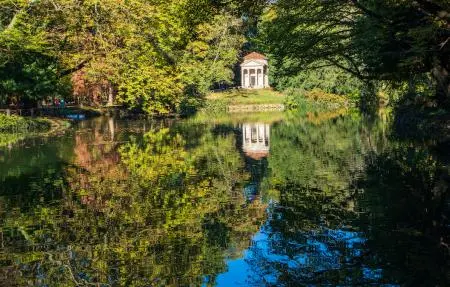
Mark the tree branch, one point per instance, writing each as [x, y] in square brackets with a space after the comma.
[76, 68]
[354, 73]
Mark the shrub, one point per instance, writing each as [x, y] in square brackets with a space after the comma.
[214, 107]
[314, 100]
[21, 124]
[327, 99]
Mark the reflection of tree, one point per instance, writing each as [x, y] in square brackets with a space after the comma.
[327, 157]
[163, 216]
[352, 209]
[311, 235]
[406, 204]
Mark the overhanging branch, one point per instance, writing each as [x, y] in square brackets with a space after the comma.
[76, 68]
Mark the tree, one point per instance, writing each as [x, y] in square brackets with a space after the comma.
[153, 54]
[372, 40]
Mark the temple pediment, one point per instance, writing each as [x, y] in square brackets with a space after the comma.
[253, 63]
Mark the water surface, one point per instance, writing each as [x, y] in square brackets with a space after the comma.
[258, 200]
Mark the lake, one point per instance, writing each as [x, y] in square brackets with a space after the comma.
[274, 199]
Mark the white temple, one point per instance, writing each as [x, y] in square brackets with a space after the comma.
[256, 140]
[254, 71]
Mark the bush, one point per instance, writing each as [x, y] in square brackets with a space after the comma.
[314, 100]
[18, 124]
[214, 107]
[327, 99]
[329, 79]
[10, 138]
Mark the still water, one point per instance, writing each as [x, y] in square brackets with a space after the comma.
[258, 200]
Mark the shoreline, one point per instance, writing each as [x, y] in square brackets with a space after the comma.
[15, 134]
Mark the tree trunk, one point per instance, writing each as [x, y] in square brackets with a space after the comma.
[369, 101]
[110, 95]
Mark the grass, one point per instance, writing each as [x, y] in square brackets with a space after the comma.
[247, 97]
[302, 103]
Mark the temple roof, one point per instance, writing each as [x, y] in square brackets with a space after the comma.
[257, 155]
[255, 56]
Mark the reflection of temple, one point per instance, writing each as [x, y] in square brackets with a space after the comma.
[256, 140]
[255, 146]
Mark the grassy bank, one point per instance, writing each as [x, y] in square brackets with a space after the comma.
[298, 101]
[247, 97]
[17, 124]
[16, 128]
[218, 102]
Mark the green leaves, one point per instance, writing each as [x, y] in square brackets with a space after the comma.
[150, 53]
[209, 59]
[390, 41]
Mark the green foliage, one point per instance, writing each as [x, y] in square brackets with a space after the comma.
[393, 41]
[153, 55]
[210, 58]
[34, 80]
[328, 79]
[153, 90]
[15, 128]
[13, 123]
[314, 100]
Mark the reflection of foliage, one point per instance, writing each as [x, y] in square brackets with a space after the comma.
[7, 139]
[352, 209]
[163, 216]
[314, 166]
[324, 157]
[21, 124]
[405, 193]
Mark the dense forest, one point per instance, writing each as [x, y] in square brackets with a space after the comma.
[163, 56]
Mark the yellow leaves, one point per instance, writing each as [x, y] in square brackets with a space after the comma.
[162, 160]
[321, 96]
[269, 15]
[198, 48]
[154, 88]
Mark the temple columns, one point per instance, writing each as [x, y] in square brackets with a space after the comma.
[260, 80]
